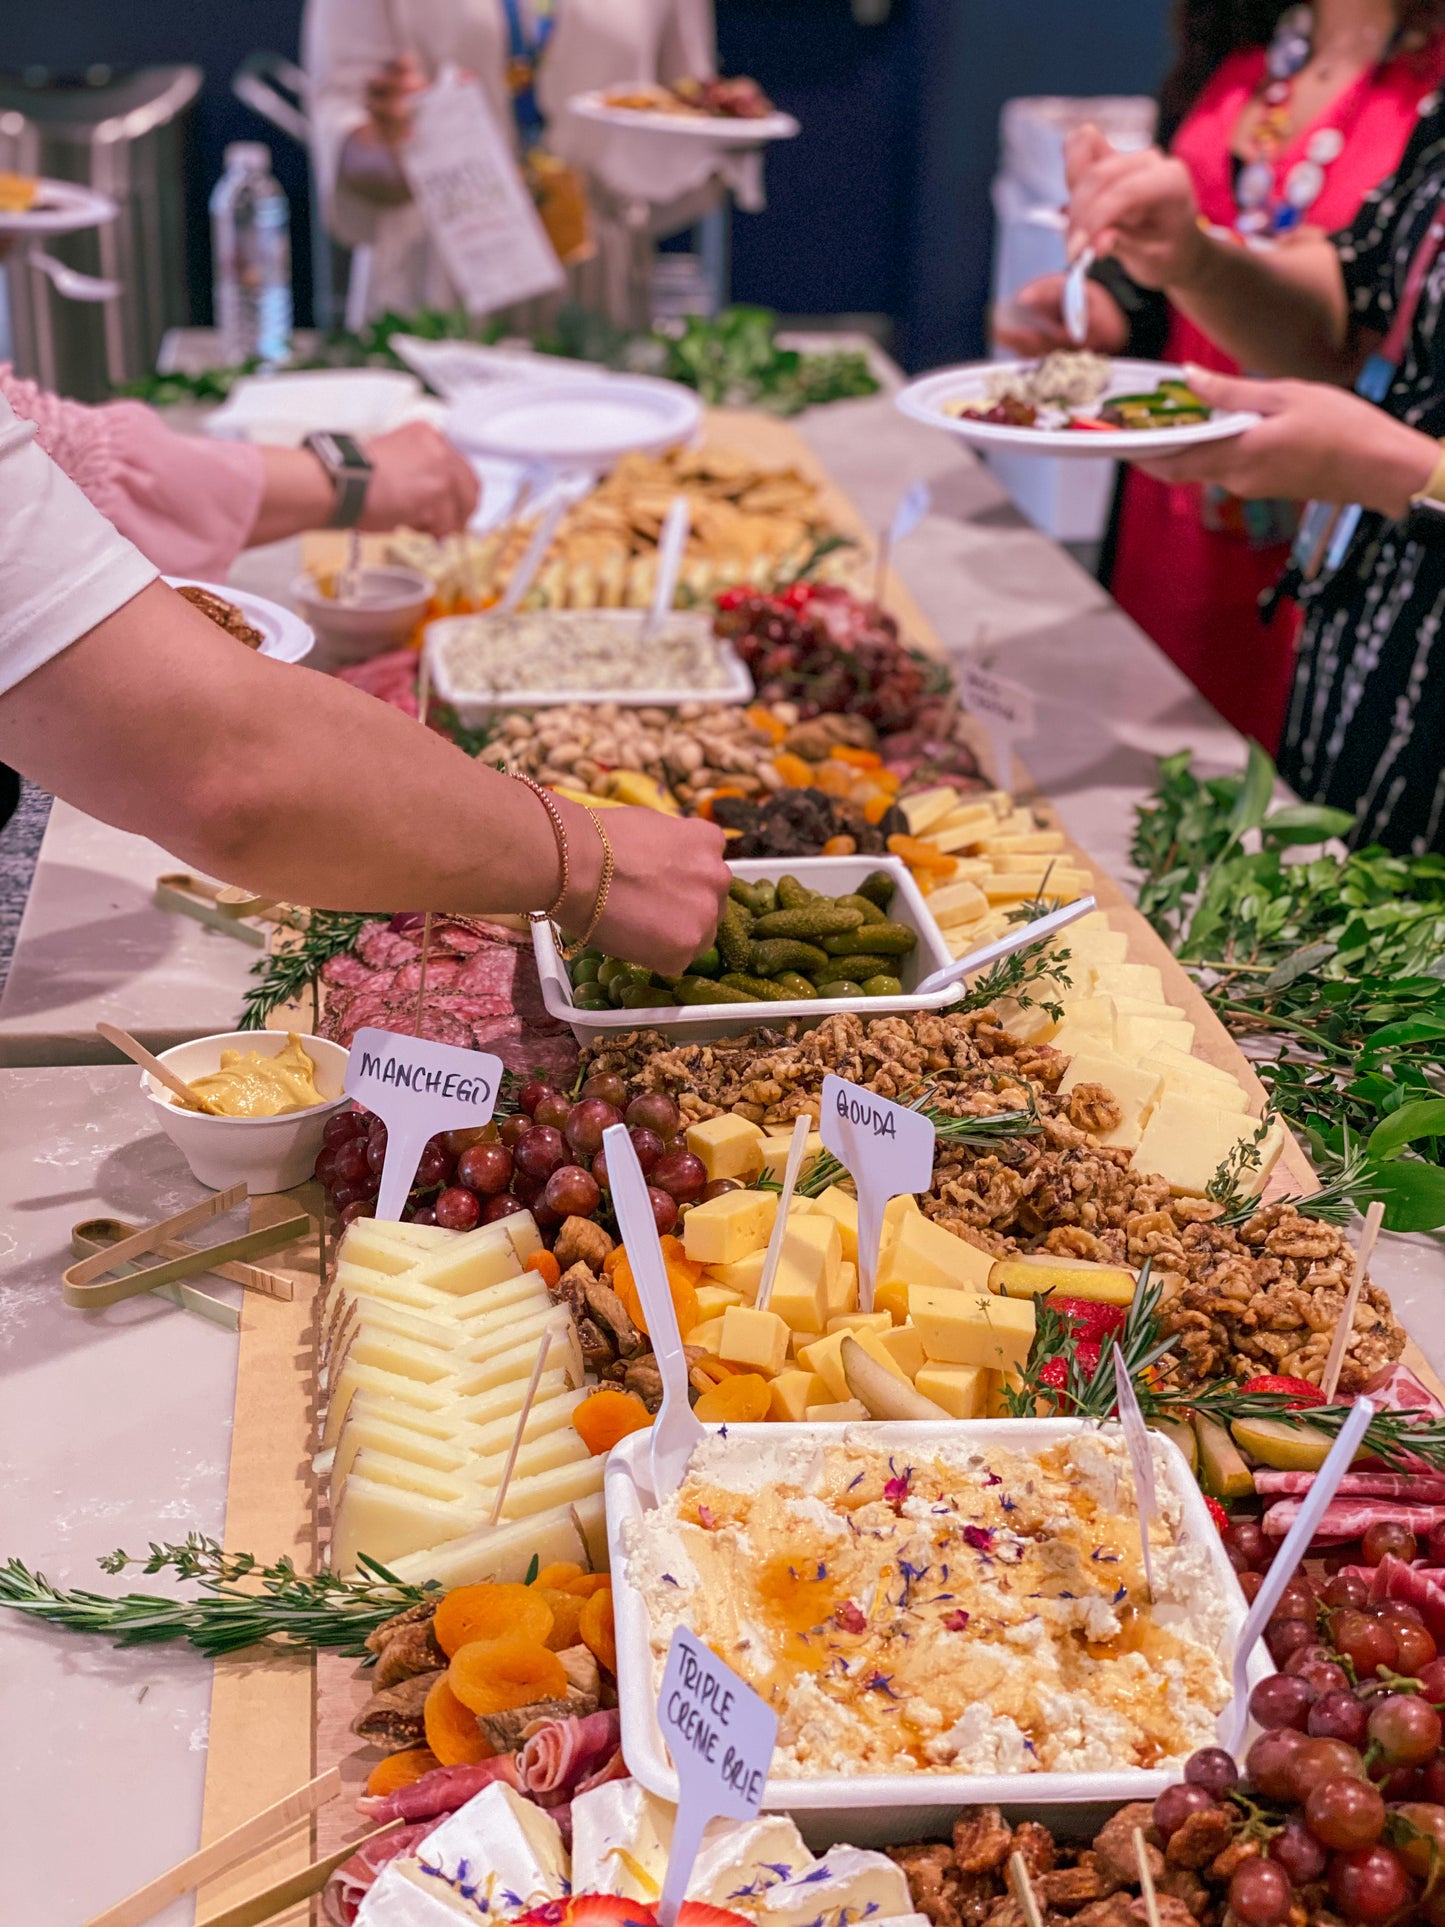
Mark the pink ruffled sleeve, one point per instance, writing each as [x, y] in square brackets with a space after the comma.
[187, 504]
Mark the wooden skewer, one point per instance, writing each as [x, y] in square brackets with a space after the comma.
[796, 1148]
[550, 1331]
[421, 978]
[236, 1845]
[1018, 1879]
[1336, 1361]
[423, 688]
[162, 1073]
[299, 1886]
[1146, 1878]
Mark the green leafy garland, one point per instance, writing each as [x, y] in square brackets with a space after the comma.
[1333, 966]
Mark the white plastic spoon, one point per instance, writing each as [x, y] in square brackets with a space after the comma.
[670, 546]
[1076, 299]
[1234, 1719]
[674, 1431]
[1019, 939]
[533, 556]
[70, 282]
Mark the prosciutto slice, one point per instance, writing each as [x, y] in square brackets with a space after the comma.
[561, 1754]
[1393, 1579]
[441, 1791]
[347, 1887]
[1398, 1388]
[1349, 1518]
[1420, 1488]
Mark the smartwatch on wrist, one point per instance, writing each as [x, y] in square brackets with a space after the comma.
[1425, 522]
[349, 466]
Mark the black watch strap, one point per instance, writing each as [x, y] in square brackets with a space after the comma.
[349, 466]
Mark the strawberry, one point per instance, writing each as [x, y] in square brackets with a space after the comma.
[697, 1913]
[1217, 1513]
[1055, 1374]
[1092, 1322]
[1298, 1391]
[590, 1910]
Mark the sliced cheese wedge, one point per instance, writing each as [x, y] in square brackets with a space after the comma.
[389, 1523]
[503, 1553]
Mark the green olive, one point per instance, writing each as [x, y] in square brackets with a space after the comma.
[883, 986]
[845, 989]
[584, 970]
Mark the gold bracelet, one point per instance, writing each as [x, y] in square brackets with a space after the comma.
[609, 867]
[559, 830]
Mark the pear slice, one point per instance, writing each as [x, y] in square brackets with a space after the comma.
[1222, 1472]
[1282, 1444]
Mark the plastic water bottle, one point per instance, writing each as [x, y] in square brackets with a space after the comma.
[251, 252]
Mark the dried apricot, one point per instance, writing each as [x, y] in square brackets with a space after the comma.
[920, 855]
[452, 1732]
[857, 758]
[684, 1295]
[599, 1634]
[545, 1264]
[607, 1416]
[588, 1583]
[400, 1769]
[762, 718]
[877, 807]
[499, 1675]
[613, 1260]
[566, 1611]
[840, 846]
[557, 1574]
[674, 1256]
[741, 1400]
[797, 774]
[490, 1612]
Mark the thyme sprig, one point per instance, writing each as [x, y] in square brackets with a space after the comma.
[285, 975]
[1029, 976]
[241, 1602]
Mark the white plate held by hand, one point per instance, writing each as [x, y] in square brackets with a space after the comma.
[583, 423]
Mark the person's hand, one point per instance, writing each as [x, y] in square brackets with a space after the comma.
[1140, 208]
[1314, 443]
[1032, 323]
[391, 98]
[668, 887]
[419, 481]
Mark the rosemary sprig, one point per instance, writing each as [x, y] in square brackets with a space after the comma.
[978, 1133]
[285, 975]
[323, 1611]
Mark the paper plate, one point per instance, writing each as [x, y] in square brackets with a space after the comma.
[62, 207]
[587, 423]
[287, 637]
[282, 409]
[718, 128]
[924, 401]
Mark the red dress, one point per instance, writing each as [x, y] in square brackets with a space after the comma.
[1195, 589]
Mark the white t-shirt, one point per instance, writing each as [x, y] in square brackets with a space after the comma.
[63, 568]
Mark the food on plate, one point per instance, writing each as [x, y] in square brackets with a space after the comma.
[776, 942]
[958, 1608]
[1067, 390]
[250, 1084]
[1173, 404]
[224, 614]
[738, 97]
[821, 646]
[18, 193]
[542, 652]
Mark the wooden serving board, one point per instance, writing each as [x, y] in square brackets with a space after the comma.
[278, 1719]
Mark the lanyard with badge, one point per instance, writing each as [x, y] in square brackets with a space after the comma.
[529, 28]
[1328, 528]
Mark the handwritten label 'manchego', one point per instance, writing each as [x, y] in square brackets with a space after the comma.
[418, 1088]
[887, 1150]
[721, 1737]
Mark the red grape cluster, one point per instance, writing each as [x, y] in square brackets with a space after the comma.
[547, 1159]
[1343, 1792]
[824, 649]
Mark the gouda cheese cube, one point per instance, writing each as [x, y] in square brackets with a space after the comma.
[798, 1342]
[730, 1147]
[905, 1347]
[774, 1150]
[815, 1245]
[843, 1210]
[861, 1321]
[707, 1336]
[843, 1292]
[924, 1253]
[962, 1390]
[892, 1298]
[846, 1411]
[757, 1339]
[744, 1277]
[792, 1393]
[798, 1297]
[728, 1228]
[959, 901]
[972, 1328]
[928, 807]
[713, 1300]
[825, 1358]
[1000, 1384]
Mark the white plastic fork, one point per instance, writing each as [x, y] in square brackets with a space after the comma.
[674, 1431]
[1075, 301]
[1019, 939]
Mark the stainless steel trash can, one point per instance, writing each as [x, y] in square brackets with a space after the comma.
[124, 136]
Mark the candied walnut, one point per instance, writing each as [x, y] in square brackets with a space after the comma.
[982, 1840]
[1036, 1846]
[1072, 1241]
[580, 1241]
[1069, 1887]
[1171, 1912]
[1202, 1836]
[1222, 1866]
[1117, 1862]
[1005, 1912]
[929, 1870]
[1185, 1886]
[1116, 1911]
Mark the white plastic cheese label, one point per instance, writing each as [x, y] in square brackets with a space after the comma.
[1006, 710]
[913, 505]
[721, 1737]
[887, 1150]
[417, 1088]
[466, 183]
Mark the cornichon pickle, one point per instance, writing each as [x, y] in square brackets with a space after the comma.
[759, 988]
[742, 893]
[879, 939]
[792, 895]
[810, 922]
[645, 997]
[765, 897]
[864, 905]
[848, 990]
[702, 990]
[853, 968]
[708, 964]
[734, 941]
[878, 888]
[795, 985]
[776, 954]
[882, 986]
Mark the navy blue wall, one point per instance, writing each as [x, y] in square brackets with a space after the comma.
[881, 205]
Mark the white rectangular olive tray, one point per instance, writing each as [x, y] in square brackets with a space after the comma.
[876, 1809]
[830, 875]
[474, 707]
